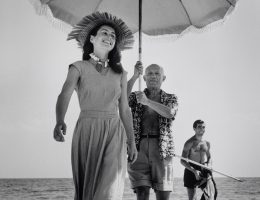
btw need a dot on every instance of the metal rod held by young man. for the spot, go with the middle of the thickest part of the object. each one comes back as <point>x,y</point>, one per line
<point>208,168</point>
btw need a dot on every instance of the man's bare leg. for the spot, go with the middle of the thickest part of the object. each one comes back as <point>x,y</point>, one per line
<point>162,195</point>
<point>142,193</point>
<point>192,193</point>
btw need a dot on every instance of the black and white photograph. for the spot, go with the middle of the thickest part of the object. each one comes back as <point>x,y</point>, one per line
<point>130,99</point>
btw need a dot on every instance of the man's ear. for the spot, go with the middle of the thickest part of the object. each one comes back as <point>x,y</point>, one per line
<point>164,77</point>
<point>144,77</point>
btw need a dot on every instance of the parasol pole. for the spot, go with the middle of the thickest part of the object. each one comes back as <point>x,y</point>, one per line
<point>208,168</point>
<point>140,42</point>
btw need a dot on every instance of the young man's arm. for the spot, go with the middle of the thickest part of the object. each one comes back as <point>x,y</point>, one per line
<point>209,159</point>
<point>185,153</point>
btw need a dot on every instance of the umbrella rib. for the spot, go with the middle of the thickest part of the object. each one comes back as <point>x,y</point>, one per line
<point>186,12</point>
<point>230,2</point>
<point>98,4</point>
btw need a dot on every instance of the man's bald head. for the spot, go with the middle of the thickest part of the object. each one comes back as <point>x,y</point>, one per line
<point>152,66</point>
<point>154,76</point>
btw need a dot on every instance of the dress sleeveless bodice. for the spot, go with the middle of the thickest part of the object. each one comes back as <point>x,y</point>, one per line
<point>97,92</point>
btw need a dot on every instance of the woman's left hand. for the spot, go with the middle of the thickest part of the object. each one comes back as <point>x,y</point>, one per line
<point>132,152</point>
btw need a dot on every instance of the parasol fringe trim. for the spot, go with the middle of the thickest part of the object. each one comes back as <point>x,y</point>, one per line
<point>43,9</point>
<point>193,29</point>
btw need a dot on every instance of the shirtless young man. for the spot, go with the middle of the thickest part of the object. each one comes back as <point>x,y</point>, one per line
<point>153,113</point>
<point>196,149</point>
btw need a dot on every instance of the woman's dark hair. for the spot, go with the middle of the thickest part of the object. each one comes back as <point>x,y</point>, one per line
<point>114,55</point>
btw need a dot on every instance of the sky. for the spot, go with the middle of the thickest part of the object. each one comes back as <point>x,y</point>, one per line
<point>215,75</point>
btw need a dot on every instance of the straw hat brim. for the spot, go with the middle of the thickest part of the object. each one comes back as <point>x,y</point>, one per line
<point>81,31</point>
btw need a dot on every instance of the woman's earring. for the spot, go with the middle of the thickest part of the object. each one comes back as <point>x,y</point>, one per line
<point>91,38</point>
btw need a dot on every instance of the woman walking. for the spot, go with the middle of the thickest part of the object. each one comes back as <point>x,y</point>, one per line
<point>104,129</point>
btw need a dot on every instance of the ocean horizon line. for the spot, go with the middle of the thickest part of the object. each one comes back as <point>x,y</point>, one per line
<point>2,178</point>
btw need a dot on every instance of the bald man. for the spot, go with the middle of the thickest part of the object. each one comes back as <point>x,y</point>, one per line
<point>153,112</point>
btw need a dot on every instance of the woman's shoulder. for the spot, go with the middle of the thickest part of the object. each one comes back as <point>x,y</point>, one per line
<point>81,65</point>
<point>124,73</point>
<point>123,76</point>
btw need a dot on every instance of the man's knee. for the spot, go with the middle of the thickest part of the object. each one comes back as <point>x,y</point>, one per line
<point>142,190</point>
<point>164,195</point>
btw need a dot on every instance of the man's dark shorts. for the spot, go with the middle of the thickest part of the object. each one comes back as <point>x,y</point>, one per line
<point>189,178</point>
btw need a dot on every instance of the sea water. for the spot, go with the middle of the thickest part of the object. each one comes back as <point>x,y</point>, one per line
<point>34,189</point>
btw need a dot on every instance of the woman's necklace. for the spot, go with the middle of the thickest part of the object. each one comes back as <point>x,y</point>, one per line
<point>101,66</point>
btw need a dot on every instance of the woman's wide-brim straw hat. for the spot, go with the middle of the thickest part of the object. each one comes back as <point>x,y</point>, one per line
<point>81,31</point>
